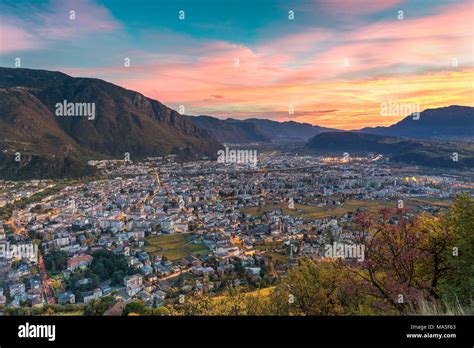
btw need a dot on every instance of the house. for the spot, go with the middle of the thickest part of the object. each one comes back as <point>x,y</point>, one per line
<point>35,283</point>
<point>83,281</point>
<point>106,289</point>
<point>152,278</point>
<point>190,261</point>
<point>159,298</point>
<point>143,256</point>
<point>202,270</point>
<point>17,289</point>
<point>92,295</point>
<point>79,262</point>
<point>66,297</point>
<point>253,270</point>
<point>146,297</point>
<point>133,284</point>
<point>162,270</point>
<point>167,225</point>
<point>147,270</point>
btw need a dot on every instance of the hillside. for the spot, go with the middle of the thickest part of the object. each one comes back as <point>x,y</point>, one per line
<point>230,130</point>
<point>406,150</point>
<point>441,123</point>
<point>54,146</point>
<point>257,130</point>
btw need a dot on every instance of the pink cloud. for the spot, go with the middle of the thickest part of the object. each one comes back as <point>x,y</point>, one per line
<point>305,69</point>
<point>89,17</point>
<point>53,23</point>
<point>296,43</point>
<point>13,38</point>
<point>429,42</point>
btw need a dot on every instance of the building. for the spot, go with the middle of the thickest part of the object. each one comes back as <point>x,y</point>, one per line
<point>92,295</point>
<point>133,283</point>
<point>79,262</point>
<point>17,289</point>
<point>66,297</point>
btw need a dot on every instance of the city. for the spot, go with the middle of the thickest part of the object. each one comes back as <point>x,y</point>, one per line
<point>200,226</point>
<point>210,172</point>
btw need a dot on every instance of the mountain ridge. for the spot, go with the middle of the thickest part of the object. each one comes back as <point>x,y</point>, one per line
<point>249,130</point>
<point>432,153</point>
<point>454,121</point>
<point>126,122</point>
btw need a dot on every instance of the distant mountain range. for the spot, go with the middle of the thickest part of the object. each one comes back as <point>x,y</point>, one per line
<point>37,142</point>
<point>257,130</point>
<point>420,152</point>
<point>452,122</point>
<point>441,123</point>
<point>53,146</point>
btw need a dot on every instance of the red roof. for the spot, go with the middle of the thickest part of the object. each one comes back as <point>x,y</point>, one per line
<point>78,259</point>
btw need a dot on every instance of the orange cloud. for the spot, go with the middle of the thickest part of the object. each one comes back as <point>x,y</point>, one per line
<point>408,60</point>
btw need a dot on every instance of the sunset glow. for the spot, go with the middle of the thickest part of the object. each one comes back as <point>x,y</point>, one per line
<point>335,63</point>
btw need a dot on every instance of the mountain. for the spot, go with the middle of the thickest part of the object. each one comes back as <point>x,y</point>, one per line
<point>407,150</point>
<point>441,123</point>
<point>289,130</point>
<point>57,146</point>
<point>256,130</point>
<point>230,130</point>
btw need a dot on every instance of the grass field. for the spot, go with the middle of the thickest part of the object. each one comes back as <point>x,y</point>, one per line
<point>174,246</point>
<point>315,212</point>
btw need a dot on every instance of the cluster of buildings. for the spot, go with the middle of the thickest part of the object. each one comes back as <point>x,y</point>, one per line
<point>251,223</point>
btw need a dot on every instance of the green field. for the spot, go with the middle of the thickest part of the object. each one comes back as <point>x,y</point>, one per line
<point>174,247</point>
<point>315,212</point>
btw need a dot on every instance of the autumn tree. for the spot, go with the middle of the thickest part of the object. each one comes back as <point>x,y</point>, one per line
<point>458,282</point>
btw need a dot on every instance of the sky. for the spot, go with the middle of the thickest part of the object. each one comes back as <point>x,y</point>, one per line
<point>329,63</point>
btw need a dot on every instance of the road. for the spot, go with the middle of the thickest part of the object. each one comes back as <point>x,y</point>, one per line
<point>45,281</point>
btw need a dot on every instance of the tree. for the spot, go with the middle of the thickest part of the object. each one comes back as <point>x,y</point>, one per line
<point>458,284</point>
<point>117,277</point>
<point>414,260</point>
<point>99,306</point>
<point>309,289</point>
<point>136,306</point>
<point>392,258</point>
<point>55,261</point>
<point>105,263</point>
<point>435,242</point>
